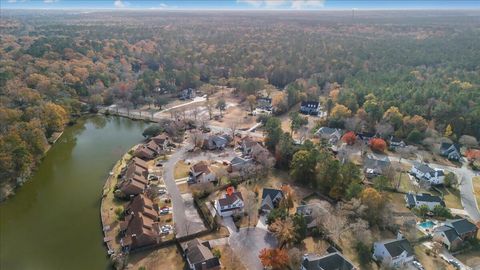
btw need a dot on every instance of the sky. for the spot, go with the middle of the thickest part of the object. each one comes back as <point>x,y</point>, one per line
<point>239,4</point>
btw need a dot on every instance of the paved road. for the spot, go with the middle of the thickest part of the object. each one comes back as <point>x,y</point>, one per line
<point>183,224</point>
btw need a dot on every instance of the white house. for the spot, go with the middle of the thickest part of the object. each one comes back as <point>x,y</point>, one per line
<point>333,135</point>
<point>201,173</point>
<point>424,172</point>
<point>394,253</point>
<point>230,204</point>
<point>417,200</point>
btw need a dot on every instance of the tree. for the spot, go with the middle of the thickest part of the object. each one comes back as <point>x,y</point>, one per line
<point>422,210</point>
<point>441,211</point>
<point>378,145</point>
<point>415,136</point>
<point>152,131</point>
<point>468,141</point>
<point>340,112</point>
<point>287,200</point>
<point>221,106</point>
<point>297,121</point>
<point>274,131</point>
<point>300,224</point>
<point>393,116</point>
<point>160,101</point>
<point>329,106</point>
<point>303,164</point>
<point>375,204</point>
<point>252,102</point>
<point>450,180</point>
<point>448,131</point>
<point>381,183</point>
<point>384,129</point>
<point>54,118</point>
<point>284,230</point>
<point>335,224</point>
<point>275,259</point>
<point>349,138</point>
<point>95,101</point>
<point>353,190</point>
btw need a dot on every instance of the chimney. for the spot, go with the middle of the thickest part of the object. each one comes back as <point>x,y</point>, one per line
<point>400,235</point>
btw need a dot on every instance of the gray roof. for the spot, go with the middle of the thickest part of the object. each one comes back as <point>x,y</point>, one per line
<point>396,247</point>
<point>332,261</point>
<point>462,226</point>
<point>410,199</point>
<point>449,232</point>
<point>425,197</point>
<point>372,163</point>
<point>327,130</point>
<point>238,160</point>
<point>424,168</point>
<point>272,193</point>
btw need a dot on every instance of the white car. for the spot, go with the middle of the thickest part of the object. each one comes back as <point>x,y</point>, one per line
<point>418,265</point>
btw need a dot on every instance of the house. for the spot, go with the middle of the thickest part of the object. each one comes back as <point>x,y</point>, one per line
<point>238,163</point>
<point>138,230</point>
<point>142,204</point>
<point>133,186</point>
<point>424,172</point>
<point>417,200</point>
<point>231,203</point>
<point>394,252</point>
<point>454,232</point>
<point>270,199</point>
<point>331,261</point>
<point>200,257</point>
<point>246,144</point>
<point>366,136</point>
<point>139,163</point>
<point>374,166</point>
<point>162,141</point>
<point>395,142</point>
<point>306,210</point>
<point>333,135</point>
<point>144,153</point>
<point>214,142</point>
<point>188,93</point>
<point>450,151</point>
<point>264,103</point>
<point>309,107</point>
<point>201,173</point>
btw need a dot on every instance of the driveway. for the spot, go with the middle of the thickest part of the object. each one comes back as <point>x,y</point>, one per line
<point>247,243</point>
<point>185,215</point>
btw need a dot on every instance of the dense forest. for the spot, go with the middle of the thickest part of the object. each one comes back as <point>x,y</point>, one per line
<point>403,72</point>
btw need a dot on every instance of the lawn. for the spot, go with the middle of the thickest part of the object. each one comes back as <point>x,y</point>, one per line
<point>168,258</point>
<point>470,258</point>
<point>228,259</point>
<point>181,170</point>
<point>429,262</point>
<point>451,197</point>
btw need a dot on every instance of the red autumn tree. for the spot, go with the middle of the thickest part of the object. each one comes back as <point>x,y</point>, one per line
<point>378,145</point>
<point>349,138</point>
<point>274,258</point>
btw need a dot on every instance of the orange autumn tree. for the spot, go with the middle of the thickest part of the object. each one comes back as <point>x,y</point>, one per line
<point>274,258</point>
<point>349,138</point>
<point>378,145</point>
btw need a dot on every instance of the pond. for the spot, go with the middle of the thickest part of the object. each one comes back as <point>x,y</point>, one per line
<point>53,222</point>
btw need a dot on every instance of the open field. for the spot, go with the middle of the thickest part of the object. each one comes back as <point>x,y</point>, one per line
<point>181,170</point>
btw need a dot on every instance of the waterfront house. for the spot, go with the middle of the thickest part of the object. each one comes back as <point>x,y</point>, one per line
<point>450,151</point>
<point>332,135</point>
<point>310,107</point>
<point>331,261</point>
<point>417,200</point>
<point>162,141</point>
<point>230,204</point>
<point>374,165</point>
<point>424,172</point>
<point>138,230</point>
<point>132,186</point>
<point>454,232</point>
<point>201,173</point>
<point>199,256</point>
<point>394,252</point>
<point>270,199</point>
<point>142,204</point>
<point>139,163</point>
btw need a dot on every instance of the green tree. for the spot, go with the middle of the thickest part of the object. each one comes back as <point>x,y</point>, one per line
<point>297,121</point>
<point>302,168</point>
<point>274,131</point>
<point>381,183</point>
<point>221,106</point>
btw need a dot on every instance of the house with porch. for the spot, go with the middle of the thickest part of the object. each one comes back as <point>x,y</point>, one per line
<point>216,142</point>
<point>238,164</point>
<point>230,204</point>
<point>374,165</point>
<point>417,200</point>
<point>395,142</point>
<point>424,172</point>
<point>310,107</point>
<point>450,151</point>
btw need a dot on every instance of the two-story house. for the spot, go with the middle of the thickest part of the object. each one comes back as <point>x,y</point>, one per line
<point>374,166</point>
<point>454,232</point>
<point>310,107</point>
<point>394,252</point>
<point>230,204</point>
<point>201,173</point>
<point>424,172</point>
<point>417,200</point>
<point>270,199</point>
<point>199,256</point>
<point>450,151</point>
<point>332,135</point>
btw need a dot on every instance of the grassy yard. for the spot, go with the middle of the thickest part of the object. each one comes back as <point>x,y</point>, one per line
<point>229,260</point>
<point>181,170</point>
<point>471,258</point>
<point>430,262</point>
<point>168,258</point>
<point>451,197</point>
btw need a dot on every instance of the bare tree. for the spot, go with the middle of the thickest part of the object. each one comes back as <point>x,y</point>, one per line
<point>335,225</point>
<point>295,256</point>
<point>384,129</point>
<point>195,113</point>
<point>361,231</point>
<point>250,205</point>
<point>233,128</point>
<point>197,139</point>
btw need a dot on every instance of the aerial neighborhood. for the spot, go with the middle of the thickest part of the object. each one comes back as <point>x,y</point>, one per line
<point>297,189</point>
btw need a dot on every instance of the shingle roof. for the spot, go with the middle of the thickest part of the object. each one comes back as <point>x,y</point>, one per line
<point>309,104</point>
<point>449,232</point>
<point>272,193</point>
<point>326,130</point>
<point>230,199</point>
<point>396,247</point>
<point>332,261</point>
<point>424,168</point>
<point>372,163</point>
<point>201,167</point>
<point>425,197</point>
<point>462,226</point>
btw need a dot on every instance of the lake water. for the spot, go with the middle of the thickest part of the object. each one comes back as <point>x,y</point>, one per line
<point>53,222</point>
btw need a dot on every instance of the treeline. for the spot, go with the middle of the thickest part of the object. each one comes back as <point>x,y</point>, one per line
<point>424,66</point>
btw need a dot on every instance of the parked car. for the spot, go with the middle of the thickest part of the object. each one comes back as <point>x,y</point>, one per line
<point>164,211</point>
<point>455,264</point>
<point>418,265</point>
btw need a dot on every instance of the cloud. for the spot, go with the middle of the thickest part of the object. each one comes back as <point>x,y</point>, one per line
<point>12,1</point>
<point>119,4</point>
<point>255,3</point>
<point>49,1</point>
<point>307,4</point>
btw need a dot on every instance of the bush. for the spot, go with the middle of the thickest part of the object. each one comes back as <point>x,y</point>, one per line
<point>120,213</point>
<point>440,211</point>
<point>216,252</point>
<point>152,131</point>
<point>415,136</point>
<point>275,214</point>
